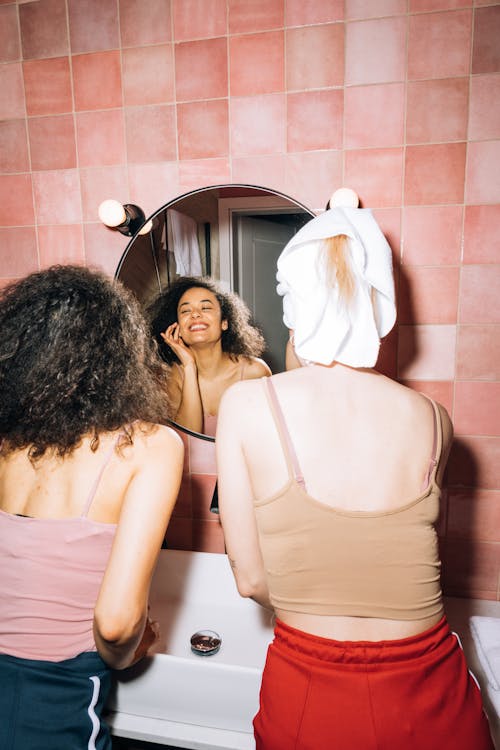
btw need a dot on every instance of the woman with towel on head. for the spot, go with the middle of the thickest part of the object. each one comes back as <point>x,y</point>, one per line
<point>206,334</point>
<point>88,480</point>
<point>329,487</point>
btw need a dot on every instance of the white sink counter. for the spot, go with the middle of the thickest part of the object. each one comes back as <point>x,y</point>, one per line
<point>178,698</point>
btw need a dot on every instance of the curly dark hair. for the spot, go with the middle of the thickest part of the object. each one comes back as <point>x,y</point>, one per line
<point>241,338</point>
<point>76,358</point>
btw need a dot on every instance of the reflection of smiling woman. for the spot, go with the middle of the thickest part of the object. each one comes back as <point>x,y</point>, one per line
<point>206,334</point>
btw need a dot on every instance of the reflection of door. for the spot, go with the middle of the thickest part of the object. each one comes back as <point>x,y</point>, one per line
<point>257,243</point>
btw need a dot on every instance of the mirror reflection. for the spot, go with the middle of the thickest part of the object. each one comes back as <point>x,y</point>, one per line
<point>233,234</point>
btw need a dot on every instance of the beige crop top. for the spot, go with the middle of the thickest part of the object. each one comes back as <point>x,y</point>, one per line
<point>324,561</point>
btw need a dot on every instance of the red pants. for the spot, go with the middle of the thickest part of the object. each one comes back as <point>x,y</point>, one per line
<point>410,694</point>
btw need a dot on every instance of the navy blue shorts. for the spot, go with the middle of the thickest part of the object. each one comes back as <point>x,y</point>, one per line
<point>48,705</point>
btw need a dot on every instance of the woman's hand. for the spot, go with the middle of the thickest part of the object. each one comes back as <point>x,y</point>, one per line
<point>150,636</point>
<point>173,339</point>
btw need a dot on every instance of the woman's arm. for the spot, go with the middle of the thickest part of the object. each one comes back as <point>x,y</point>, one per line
<point>121,608</point>
<point>184,389</point>
<point>236,502</point>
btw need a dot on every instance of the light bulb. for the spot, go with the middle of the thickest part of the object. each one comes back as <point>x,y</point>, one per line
<point>146,228</point>
<point>112,213</point>
<point>344,197</point>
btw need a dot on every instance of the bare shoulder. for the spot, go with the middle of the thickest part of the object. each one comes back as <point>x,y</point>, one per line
<point>155,440</point>
<point>240,398</point>
<point>256,368</point>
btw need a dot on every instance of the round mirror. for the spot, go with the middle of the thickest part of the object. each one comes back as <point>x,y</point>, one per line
<point>233,233</point>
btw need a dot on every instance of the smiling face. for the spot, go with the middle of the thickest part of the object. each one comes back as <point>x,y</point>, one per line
<point>199,317</point>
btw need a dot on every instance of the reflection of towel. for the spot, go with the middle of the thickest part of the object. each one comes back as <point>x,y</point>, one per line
<point>486,635</point>
<point>183,242</point>
<point>325,329</point>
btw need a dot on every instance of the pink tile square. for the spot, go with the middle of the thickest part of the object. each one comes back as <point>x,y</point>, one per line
<point>196,173</point>
<point>10,49</point>
<point>481,236</point>
<point>259,15</point>
<point>44,132</point>
<point>139,28</point>
<point>376,175</point>
<point>202,456</point>
<point>150,133</point>
<point>100,183</point>
<point>18,251</point>
<point>439,44</point>
<point>57,197</point>
<point>478,353</point>
<point>484,110</point>
<point>305,12</point>
<point>253,170</point>
<point>420,6</point>
<point>315,120</point>
<point>93,26</point>
<point>103,247</point>
<point>432,235</point>
<point>364,42</point>
<point>479,294</point>
<point>153,185</point>
<point>16,206</point>
<point>11,84</point>
<point>48,86</point>
<point>312,176</point>
<point>440,391</point>
<point>208,536</point>
<point>100,138</point>
<point>428,295</point>
<point>363,9</point>
<point>374,115</point>
<point>315,57</point>
<point>475,462</point>
<point>477,408</point>
<point>427,352</point>
<point>13,146</point>
<point>470,568</point>
<point>203,129</point>
<point>61,244</point>
<point>474,514</point>
<point>44,30</point>
<point>434,174</point>
<point>199,19</point>
<point>148,75</point>
<point>257,125</point>
<point>437,110</point>
<point>482,183</point>
<point>201,69</point>
<point>389,221</point>
<point>486,50</point>
<point>97,80</point>
<point>179,534</point>
<point>257,63</point>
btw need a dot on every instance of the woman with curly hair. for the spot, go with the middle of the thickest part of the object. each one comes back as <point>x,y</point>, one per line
<point>88,480</point>
<point>205,333</point>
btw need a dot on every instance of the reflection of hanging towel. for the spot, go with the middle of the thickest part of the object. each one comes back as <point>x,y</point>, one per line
<point>183,242</point>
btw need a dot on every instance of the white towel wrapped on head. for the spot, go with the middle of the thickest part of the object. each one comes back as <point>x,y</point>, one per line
<point>325,328</point>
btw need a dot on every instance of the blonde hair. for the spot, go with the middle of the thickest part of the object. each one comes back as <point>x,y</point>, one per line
<point>337,260</point>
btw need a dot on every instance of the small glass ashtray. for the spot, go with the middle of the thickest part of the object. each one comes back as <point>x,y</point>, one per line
<point>205,642</point>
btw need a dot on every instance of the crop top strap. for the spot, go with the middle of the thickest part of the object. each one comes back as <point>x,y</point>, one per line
<point>93,490</point>
<point>437,443</point>
<point>292,461</point>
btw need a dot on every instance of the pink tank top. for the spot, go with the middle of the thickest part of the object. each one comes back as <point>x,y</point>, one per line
<point>51,573</point>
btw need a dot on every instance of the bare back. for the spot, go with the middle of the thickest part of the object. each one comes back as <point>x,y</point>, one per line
<point>363,442</point>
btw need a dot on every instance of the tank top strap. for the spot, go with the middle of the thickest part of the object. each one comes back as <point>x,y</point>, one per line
<point>437,442</point>
<point>292,461</point>
<point>93,489</point>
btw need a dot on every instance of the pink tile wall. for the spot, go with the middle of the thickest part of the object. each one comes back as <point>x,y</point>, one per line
<point>398,99</point>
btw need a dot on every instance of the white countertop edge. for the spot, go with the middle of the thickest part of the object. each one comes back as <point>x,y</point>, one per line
<point>177,734</point>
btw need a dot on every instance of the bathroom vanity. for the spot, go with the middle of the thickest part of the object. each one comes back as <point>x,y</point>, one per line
<point>177,697</point>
